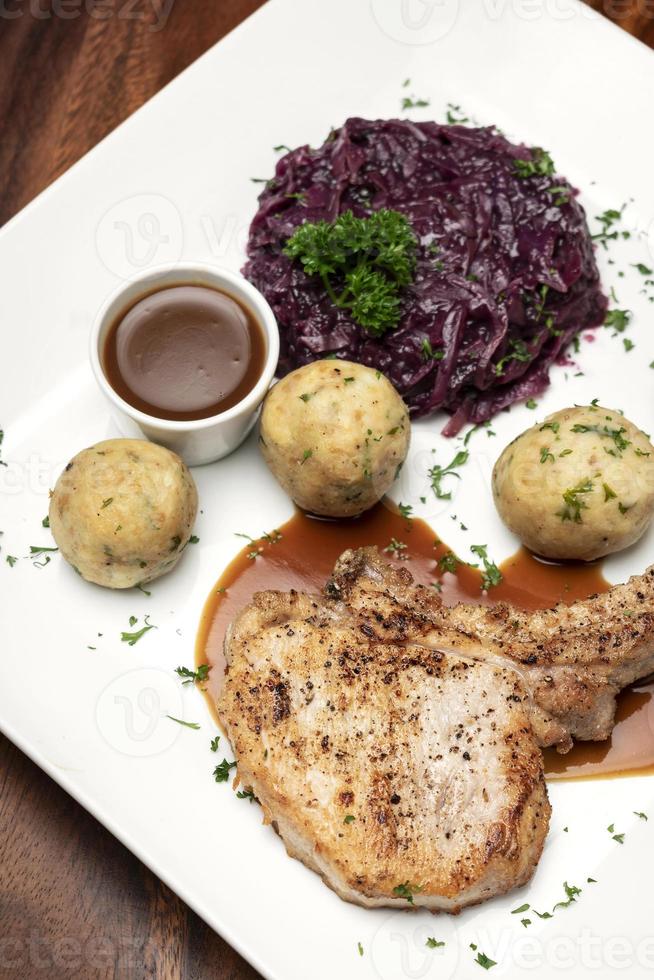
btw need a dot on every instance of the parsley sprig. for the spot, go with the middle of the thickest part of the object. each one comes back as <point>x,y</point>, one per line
<point>606,432</point>
<point>407,890</point>
<point>438,473</point>
<point>540,164</point>
<point>574,502</point>
<point>191,676</point>
<point>517,351</point>
<point>491,574</point>
<point>607,220</point>
<point>221,772</point>
<point>132,638</point>
<point>363,263</point>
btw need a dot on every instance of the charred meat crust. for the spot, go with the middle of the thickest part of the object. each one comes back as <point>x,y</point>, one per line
<point>393,742</point>
<point>573,659</point>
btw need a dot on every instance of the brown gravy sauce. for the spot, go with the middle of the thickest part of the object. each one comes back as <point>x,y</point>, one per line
<point>184,352</point>
<point>304,557</point>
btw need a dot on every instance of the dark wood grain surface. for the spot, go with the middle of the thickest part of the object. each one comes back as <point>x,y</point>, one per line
<point>74,903</point>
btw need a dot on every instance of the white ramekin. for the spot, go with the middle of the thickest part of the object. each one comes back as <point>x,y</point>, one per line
<point>202,440</point>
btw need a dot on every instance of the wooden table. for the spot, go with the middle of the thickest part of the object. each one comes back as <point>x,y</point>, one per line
<point>73,901</point>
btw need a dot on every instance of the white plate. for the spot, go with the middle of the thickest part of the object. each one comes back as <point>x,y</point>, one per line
<point>172,182</point>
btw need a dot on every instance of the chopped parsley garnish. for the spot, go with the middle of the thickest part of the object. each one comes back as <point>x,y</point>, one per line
<point>628,344</point>
<point>396,547</point>
<point>530,403</point>
<point>428,351</point>
<point>246,794</point>
<point>574,503</point>
<point>617,320</point>
<point>640,814</point>
<point>518,351</point>
<point>616,837</point>
<point>477,428</point>
<point>437,473</point>
<point>607,220</point>
<point>540,165</point>
<point>609,494</point>
<point>554,426</point>
<point>37,550</point>
<point>42,564</point>
<point>571,892</point>
<point>406,510</point>
<point>194,539</point>
<point>214,743</point>
<point>221,772</point>
<point>307,454</point>
<point>484,961</point>
<point>105,503</point>
<point>520,909</point>
<point>349,818</point>
<point>406,890</point>
<point>11,560</point>
<point>412,103</point>
<point>191,676</point>
<point>305,396</point>
<point>187,724</point>
<point>45,522</point>
<point>606,433</point>
<point>545,454</point>
<point>562,194</point>
<point>363,263</point>
<point>448,562</point>
<point>454,115</point>
<point>132,638</point>
<point>360,948</point>
<point>434,943</point>
<point>491,575</point>
<point>270,537</point>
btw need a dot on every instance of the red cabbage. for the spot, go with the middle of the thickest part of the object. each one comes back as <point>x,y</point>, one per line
<point>505,274</point>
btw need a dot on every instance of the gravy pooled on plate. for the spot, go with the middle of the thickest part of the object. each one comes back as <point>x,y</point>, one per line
<point>301,555</point>
<point>184,352</point>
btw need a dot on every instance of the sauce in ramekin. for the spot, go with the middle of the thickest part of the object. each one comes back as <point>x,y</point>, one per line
<point>184,352</point>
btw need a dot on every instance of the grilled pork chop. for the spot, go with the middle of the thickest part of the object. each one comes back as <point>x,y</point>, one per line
<point>573,660</point>
<point>401,774</point>
<point>393,742</point>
